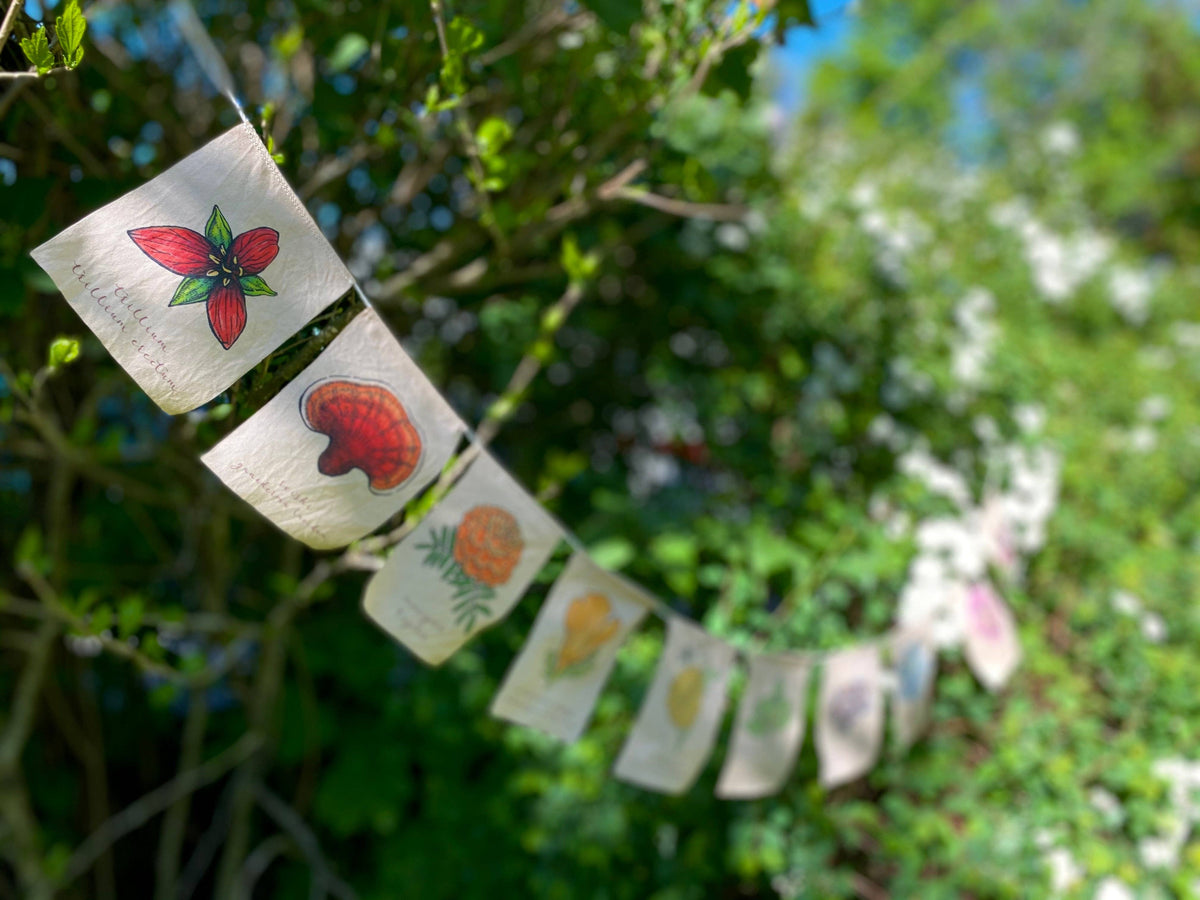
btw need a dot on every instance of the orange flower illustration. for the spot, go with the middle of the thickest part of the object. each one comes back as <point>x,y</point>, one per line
<point>488,544</point>
<point>589,625</point>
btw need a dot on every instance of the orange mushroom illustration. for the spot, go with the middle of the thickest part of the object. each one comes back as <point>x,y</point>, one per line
<point>368,429</point>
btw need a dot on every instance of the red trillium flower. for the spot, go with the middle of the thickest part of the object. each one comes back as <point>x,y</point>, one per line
<point>219,269</point>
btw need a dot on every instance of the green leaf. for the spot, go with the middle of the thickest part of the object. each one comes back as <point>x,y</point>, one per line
<point>349,50</point>
<point>792,12</point>
<point>37,51</point>
<point>130,613</point>
<point>192,290</point>
<point>217,230</point>
<point>461,39</point>
<point>733,72</point>
<point>70,27</point>
<point>29,548</point>
<point>491,136</point>
<point>63,350</point>
<point>253,286</point>
<point>612,553</point>
<point>580,267</point>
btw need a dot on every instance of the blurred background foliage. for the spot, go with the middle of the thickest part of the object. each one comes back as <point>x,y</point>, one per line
<point>975,230</point>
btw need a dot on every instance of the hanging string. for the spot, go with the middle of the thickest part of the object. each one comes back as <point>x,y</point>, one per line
<point>207,55</point>
<point>211,62</point>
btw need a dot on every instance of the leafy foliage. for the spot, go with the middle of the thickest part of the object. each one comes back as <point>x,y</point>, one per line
<point>37,50</point>
<point>738,327</point>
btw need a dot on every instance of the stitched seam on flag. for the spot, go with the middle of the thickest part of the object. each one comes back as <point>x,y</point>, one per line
<point>301,209</point>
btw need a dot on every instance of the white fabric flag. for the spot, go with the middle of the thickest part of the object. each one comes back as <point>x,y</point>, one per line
<point>346,444</point>
<point>464,566</point>
<point>849,726</point>
<point>914,658</point>
<point>769,728</point>
<point>990,644</point>
<point>679,719</point>
<point>555,681</point>
<point>194,277</point>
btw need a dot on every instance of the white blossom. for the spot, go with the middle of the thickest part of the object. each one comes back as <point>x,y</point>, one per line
<point>1126,603</point>
<point>1142,439</point>
<point>1060,139</point>
<point>1030,417</point>
<point>938,478</point>
<point>1129,291</point>
<point>1112,888</point>
<point>1065,873</point>
<point>1154,628</point>
<point>1107,804</point>
<point>1155,408</point>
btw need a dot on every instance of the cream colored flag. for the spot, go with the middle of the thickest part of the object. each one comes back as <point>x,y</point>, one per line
<point>681,715</point>
<point>554,683</point>
<point>990,642</point>
<point>465,566</point>
<point>194,277</point>
<point>346,444</point>
<point>769,728</point>
<point>914,658</point>
<point>849,726</point>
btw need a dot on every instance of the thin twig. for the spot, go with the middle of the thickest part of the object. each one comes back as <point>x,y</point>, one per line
<point>260,860</point>
<point>467,133</point>
<point>9,18</point>
<point>206,848</point>
<point>145,808</point>
<point>291,822</point>
<point>498,414</point>
<point>23,708</point>
<point>174,827</point>
<point>63,615</point>
<point>31,74</point>
<point>721,212</point>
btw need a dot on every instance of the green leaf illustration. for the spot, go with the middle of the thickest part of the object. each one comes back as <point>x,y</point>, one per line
<point>37,51</point>
<point>217,230</point>
<point>770,714</point>
<point>192,290</point>
<point>70,27</point>
<point>254,286</point>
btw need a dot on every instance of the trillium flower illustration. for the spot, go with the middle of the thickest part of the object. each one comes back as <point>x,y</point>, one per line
<point>219,269</point>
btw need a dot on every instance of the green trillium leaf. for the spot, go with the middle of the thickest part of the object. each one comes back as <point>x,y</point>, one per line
<point>217,230</point>
<point>253,286</point>
<point>192,290</point>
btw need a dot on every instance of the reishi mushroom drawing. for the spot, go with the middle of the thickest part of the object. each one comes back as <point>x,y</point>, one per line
<point>368,429</point>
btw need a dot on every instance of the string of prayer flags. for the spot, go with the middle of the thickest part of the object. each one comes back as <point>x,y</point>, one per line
<point>990,644</point>
<point>465,565</point>
<point>677,725</point>
<point>915,662</point>
<point>554,682</point>
<point>345,445</point>
<point>849,722</point>
<point>769,728</point>
<point>193,278</point>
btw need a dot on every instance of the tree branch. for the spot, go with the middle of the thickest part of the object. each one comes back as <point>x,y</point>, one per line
<point>9,18</point>
<point>145,808</point>
<point>325,881</point>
